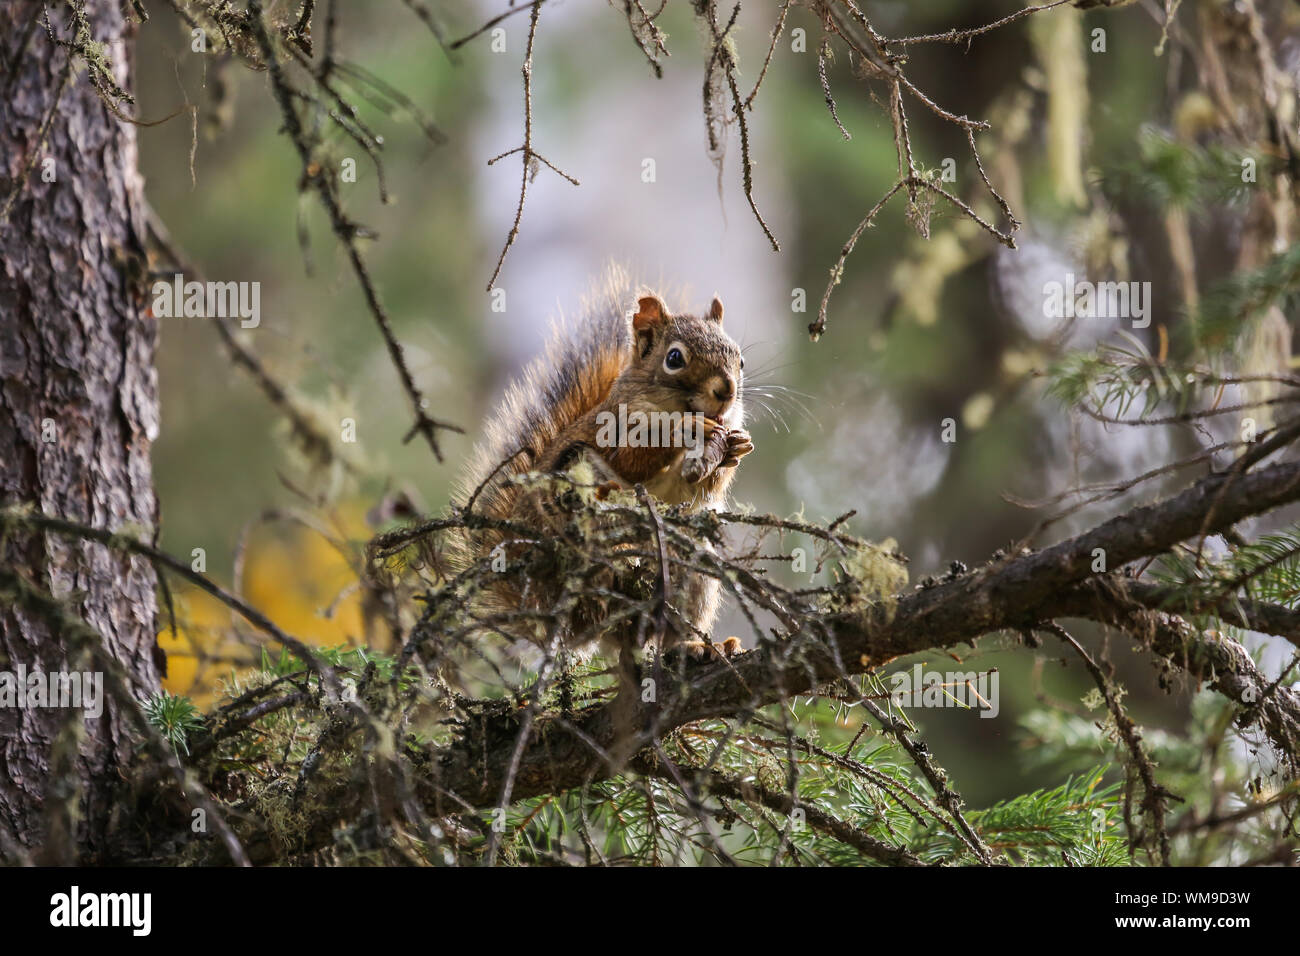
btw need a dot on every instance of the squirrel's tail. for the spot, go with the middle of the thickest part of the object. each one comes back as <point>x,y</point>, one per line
<point>574,374</point>
<point>583,357</point>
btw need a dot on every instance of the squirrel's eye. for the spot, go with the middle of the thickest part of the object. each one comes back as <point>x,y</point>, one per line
<point>742,364</point>
<point>674,360</point>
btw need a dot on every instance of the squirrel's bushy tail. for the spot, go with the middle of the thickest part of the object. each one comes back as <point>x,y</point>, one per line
<point>573,375</point>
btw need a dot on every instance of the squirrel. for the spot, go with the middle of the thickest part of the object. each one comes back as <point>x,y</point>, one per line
<point>627,359</point>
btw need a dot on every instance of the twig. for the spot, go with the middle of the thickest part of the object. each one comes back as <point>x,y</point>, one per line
<point>1154,802</point>
<point>529,157</point>
<point>346,232</point>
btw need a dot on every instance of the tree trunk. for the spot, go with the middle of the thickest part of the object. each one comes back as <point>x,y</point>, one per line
<point>78,413</point>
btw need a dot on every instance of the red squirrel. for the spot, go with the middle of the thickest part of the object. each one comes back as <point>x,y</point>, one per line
<point>627,361</point>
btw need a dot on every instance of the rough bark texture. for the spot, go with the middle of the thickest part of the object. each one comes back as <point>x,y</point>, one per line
<point>78,413</point>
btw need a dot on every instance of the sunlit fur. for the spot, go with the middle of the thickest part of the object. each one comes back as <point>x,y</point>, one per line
<point>547,422</point>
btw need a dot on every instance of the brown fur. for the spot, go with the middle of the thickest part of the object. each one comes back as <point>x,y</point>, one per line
<point>550,417</point>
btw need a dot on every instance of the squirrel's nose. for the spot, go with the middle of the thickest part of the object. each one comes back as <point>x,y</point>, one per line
<point>725,389</point>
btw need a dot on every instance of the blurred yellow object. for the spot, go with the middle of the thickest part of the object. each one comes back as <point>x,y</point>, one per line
<point>978,409</point>
<point>293,575</point>
<point>1195,116</point>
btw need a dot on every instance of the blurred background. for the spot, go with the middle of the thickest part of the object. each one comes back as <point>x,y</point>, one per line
<point>920,331</point>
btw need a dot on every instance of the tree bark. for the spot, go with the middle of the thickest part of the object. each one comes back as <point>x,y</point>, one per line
<point>78,414</point>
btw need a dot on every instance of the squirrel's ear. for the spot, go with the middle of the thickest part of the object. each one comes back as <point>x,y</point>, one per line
<point>651,313</point>
<point>715,309</point>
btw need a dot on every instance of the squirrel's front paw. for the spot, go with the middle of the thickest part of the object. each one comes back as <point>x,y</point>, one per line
<point>739,444</point>
<point>707,452</point>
